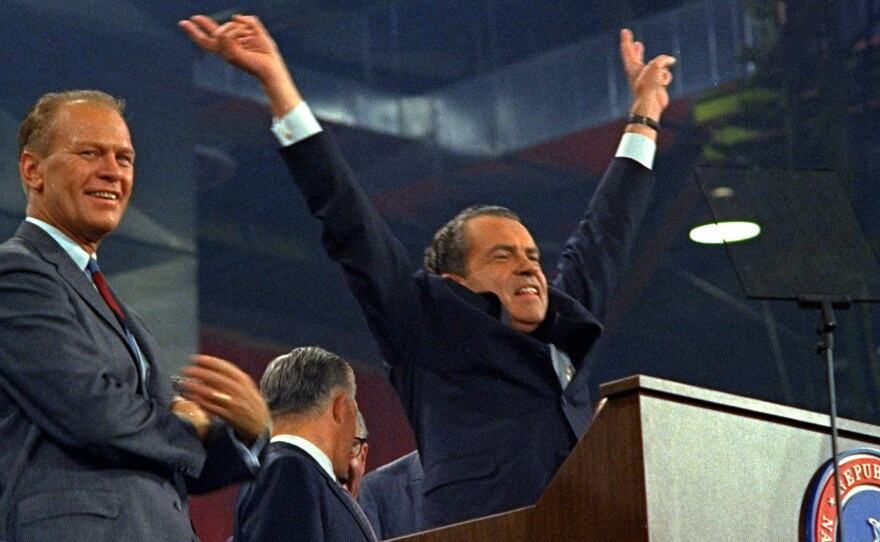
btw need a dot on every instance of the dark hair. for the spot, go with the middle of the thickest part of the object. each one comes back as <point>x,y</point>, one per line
<point>448,251</point>
<point>305,380</point>
<point>33,132</point>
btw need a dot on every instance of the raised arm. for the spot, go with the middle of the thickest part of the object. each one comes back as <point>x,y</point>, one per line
<point>595,255</point>
<point>376,265</point>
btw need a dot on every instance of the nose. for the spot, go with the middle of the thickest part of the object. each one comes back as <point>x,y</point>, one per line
<point>110,169</point>
<point>527,266</point>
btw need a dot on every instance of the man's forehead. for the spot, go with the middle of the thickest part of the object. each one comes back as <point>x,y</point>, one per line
<point>490,230</point>
<point>85,121</point>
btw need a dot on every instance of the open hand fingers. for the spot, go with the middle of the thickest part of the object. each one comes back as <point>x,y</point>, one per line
<point>631,53</point>
<point>215,381</point>
<point>252,22</point>
<point>200,28</point>
<point>207,397</point>
<point>251,34</point>
<point>223,389</point>
<point>217,365</point>
<point>232,31</point>
<point>659,70</point>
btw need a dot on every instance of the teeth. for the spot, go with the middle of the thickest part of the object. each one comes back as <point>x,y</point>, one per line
<point>106,195</point>
<point>527,290</point>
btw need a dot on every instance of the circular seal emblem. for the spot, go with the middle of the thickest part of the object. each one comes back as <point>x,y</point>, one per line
<point>859,495</point>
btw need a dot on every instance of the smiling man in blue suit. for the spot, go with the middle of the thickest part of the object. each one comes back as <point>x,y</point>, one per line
<point>93,444</point>
<point>486,354</point>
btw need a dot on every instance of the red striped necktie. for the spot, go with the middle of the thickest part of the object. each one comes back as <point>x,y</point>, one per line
<point>101,284</point>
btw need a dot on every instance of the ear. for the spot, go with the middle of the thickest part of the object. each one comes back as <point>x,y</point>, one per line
<point>338,407</point>
<point>454,278</point>
<point>31,173</point>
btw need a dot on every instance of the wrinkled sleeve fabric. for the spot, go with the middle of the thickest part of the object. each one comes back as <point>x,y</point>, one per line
<point>61,367</point>
<point>375,264</point>
<point>594,256</point>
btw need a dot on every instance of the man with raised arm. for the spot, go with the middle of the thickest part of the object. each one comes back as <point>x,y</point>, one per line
<point>485,354</point>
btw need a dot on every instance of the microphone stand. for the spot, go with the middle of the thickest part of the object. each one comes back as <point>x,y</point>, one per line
<point>826,304</point>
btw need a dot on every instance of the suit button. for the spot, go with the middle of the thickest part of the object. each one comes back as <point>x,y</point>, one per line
<point>562,453</point>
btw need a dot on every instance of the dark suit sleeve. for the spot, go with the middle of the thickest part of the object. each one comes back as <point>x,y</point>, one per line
<point>594,255</point>
<point>369,497</point>
<point>284,505</point>
<point>64,368</point>
<point>224,464</point>
<point>375,264</point>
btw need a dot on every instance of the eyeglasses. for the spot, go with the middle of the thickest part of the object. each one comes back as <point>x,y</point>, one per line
<point>357,445</point>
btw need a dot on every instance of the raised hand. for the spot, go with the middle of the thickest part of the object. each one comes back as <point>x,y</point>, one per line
<point>221,388</point>
<point>246,44</point>
<point>243,42</point>
<point>647,81</point>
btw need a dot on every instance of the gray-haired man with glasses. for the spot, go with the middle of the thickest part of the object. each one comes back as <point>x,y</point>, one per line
<point>297,495</point>
<point>357,458</point>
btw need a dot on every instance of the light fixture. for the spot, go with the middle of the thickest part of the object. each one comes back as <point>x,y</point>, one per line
<point>724,232</point>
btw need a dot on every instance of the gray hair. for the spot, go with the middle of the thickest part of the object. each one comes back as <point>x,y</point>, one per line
<point>361,426</point>
<point>305,380</point>
<point>449,249</point>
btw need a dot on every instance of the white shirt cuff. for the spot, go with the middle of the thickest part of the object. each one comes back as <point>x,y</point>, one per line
<point>637,147</point>
<point>296,125</point>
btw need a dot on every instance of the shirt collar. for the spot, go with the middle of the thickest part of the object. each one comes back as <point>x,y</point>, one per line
<point>316,453</point>
<point>79,256</point>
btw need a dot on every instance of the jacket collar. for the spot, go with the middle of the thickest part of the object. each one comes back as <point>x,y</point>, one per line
<point>568,325</point>
<point>49,249</point>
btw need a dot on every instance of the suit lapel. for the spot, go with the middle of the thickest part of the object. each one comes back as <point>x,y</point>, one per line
<point>52,252</point>
<point>344,497</point>
<point>354,509</point>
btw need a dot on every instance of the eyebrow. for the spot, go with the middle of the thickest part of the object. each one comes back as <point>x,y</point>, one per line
<point>118,149</point>
<point>512,248</point>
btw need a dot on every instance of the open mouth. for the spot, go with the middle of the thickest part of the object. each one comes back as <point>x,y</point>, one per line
<point>527,291</point>
<point>104,195</point>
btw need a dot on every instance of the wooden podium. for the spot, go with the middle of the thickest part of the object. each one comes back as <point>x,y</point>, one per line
<point>664,461</point>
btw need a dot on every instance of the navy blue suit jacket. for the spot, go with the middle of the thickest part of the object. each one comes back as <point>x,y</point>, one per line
<point>391,497</point>
<point>491,420</point>
<point>87,451</point>
<point>293,499</point>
